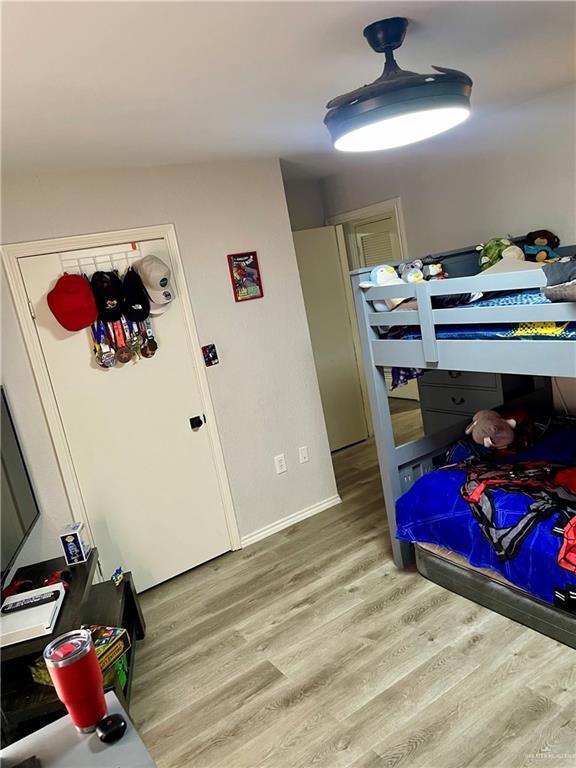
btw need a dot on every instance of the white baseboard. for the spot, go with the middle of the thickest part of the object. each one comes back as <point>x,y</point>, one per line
<point>289,520</point>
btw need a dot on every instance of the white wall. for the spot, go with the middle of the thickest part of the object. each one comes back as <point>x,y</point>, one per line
<point>265,389</point>
<point>305,203</point>
<point>514,172</point>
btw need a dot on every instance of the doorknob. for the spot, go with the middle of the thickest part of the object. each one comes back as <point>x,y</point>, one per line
<point>196,422</point>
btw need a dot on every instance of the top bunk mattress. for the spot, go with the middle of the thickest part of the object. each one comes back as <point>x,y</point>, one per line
<point>473,331</point>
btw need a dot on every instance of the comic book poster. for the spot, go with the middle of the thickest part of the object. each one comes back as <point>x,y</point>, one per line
<point>245,275</point>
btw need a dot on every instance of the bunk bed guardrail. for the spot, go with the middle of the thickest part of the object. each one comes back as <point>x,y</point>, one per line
<point>495,355</point>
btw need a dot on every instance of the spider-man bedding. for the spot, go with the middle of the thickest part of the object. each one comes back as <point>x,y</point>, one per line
<point>517,517</point>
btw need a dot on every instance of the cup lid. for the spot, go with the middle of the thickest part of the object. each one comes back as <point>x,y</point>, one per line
<point>68,648</point>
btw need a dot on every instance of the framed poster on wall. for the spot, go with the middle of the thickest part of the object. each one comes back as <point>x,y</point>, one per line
<point>245,276</point>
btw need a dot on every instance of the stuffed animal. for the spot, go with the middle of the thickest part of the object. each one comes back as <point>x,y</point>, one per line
<point>491,430</point>
<point>540,245</point>
<point>514,253</point>
<point>383,275</point>
<point>411,272</point>
<point>434,272</point>
<point>491,252</point>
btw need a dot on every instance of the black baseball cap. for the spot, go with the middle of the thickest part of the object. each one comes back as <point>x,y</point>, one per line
<point>136,301</point>
<point>107,290</point>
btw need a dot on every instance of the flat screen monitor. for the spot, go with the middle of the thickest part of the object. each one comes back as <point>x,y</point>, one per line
<point>19,507</point>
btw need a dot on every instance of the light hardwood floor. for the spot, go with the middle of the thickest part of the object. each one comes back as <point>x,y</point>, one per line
<point>311,649</point>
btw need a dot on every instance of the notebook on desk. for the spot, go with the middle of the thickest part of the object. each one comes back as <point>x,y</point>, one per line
<point>30,622</point>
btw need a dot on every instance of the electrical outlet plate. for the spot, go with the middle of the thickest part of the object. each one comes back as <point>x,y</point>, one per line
<point>280,463</point>
<point>303,454</point>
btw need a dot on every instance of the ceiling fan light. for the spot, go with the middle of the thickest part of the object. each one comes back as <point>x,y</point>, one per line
<point>400,130</point>
<point>400,107</point>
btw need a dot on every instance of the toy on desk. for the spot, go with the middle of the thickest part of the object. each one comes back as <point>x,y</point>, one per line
<point>56,577</point>
<point>117,577</point>
<point>540,245</point>
<point>380,276</point>
<point>16,587</point>
<point>76,548</point>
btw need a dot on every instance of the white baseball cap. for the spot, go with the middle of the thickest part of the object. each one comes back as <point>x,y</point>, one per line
<point>158,309</point>
<point>156,278</point>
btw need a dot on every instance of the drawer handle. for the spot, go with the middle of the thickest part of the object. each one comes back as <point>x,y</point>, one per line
<point>458,400</point>
<point>454,374</point>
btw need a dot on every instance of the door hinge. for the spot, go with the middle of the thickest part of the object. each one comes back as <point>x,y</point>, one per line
<point>31,308</point>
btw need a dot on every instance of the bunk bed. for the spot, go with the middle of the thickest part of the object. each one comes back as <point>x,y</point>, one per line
<point>427,342</point>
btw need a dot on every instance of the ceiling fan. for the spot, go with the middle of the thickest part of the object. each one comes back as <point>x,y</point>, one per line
<point>400,107</point>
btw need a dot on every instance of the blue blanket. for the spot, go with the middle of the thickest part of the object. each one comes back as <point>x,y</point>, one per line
<point>517,517</point>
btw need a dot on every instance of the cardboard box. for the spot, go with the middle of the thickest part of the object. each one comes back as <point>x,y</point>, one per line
<point>110,644</point>
<point>76,548</point>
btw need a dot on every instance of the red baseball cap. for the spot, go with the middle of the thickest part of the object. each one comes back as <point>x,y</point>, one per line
<point>72,302</point>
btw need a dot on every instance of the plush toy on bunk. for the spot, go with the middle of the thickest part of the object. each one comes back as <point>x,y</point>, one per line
<point>497,249</point>
<point>537,247</point>
<point>417,271</point>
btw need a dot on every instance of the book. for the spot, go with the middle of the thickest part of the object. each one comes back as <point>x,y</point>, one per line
<point>30,622</point>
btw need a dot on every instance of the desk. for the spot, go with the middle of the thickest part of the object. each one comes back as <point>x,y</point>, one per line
<point>25,705</point>
<point>58,745</point>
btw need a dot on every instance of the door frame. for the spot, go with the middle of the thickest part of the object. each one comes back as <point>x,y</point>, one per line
<point>11,253</point>
<point>345,270</point>
<point>394,205</point>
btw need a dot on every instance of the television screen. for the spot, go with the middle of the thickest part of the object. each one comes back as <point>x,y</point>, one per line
<point>19,508</point>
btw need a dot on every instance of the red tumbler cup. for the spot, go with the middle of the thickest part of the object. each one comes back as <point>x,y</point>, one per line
<point>77,677</point>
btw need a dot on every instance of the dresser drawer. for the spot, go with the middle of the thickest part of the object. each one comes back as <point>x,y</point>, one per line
<point>458,400</point>
<point>460,379</point>
<point>434,421</point>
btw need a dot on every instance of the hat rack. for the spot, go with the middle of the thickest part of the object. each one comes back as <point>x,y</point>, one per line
<point>88,263</point>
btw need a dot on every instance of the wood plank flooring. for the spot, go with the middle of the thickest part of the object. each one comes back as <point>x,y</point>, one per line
<point>311,649</point>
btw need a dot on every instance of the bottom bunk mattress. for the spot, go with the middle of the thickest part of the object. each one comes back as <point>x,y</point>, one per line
<point>515,516</point>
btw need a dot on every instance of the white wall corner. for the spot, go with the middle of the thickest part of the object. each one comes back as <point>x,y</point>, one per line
<point>286,522</point>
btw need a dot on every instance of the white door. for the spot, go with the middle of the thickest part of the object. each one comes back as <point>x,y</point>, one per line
<point>149,483</point>
<point>331,334</point>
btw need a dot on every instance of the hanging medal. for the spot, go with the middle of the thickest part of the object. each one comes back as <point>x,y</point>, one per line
<point>149,347</point>
<point>104,353</point>
<point>123,352</point>
<point>135,339</point>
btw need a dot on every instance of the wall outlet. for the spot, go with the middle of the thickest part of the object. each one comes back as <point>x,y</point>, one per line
<point>280,462</point>
<point>303,454</point>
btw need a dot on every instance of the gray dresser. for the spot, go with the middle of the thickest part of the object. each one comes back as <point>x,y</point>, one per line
<point>447,397</point>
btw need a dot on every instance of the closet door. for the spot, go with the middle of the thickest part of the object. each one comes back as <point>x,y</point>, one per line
<point>149,483</point>
<point>330,327</point>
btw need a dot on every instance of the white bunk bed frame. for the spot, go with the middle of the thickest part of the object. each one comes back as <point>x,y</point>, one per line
<point>401,465</point>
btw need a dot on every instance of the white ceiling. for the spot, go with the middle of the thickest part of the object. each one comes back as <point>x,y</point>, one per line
<point>146,83</point>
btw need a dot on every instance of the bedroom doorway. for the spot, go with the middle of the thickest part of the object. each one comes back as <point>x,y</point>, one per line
<point>325,256</point>
<point>321,258</point>
<point>374,236</point>
<point>153,511</point>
